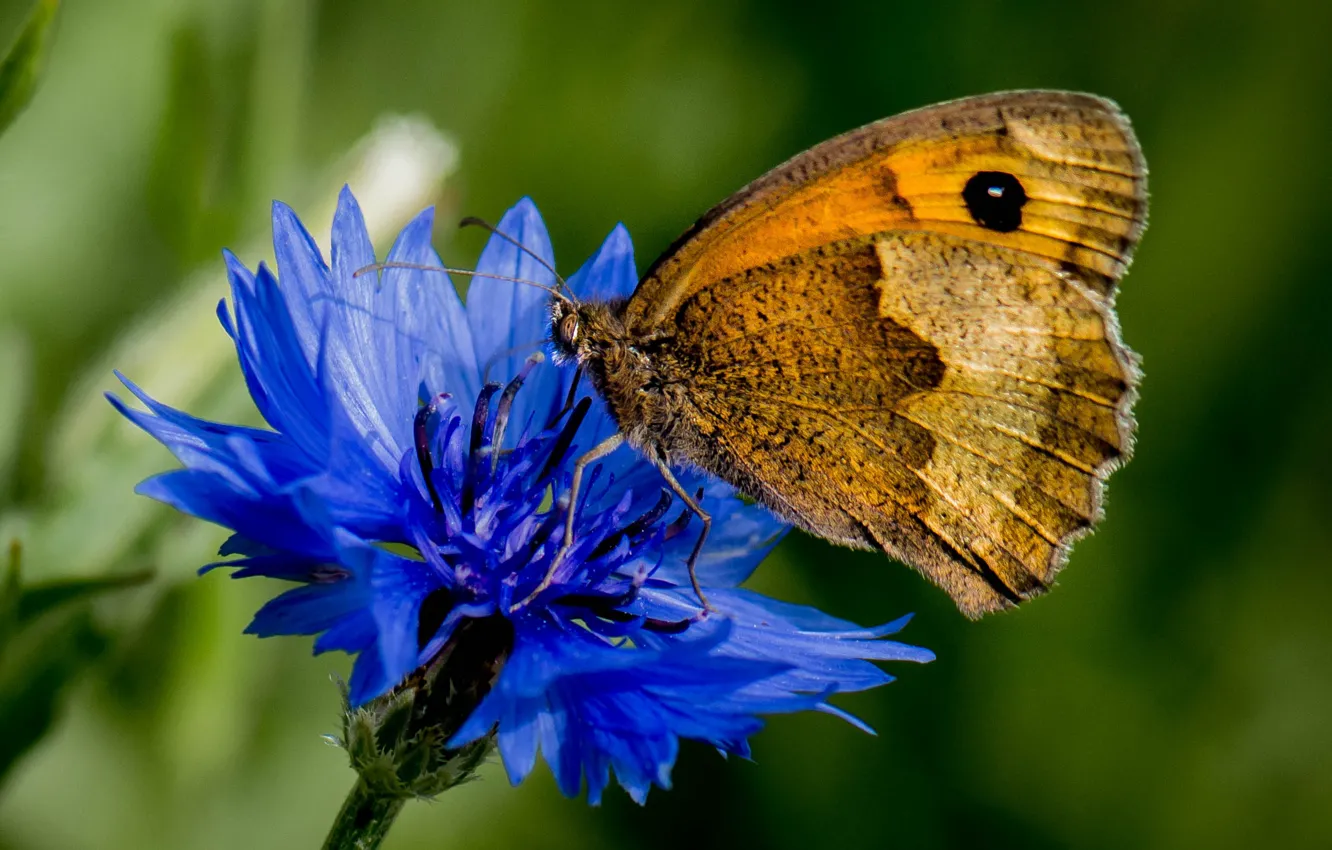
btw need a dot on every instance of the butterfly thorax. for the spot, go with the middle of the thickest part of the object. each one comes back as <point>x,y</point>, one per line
<point>629,373</point>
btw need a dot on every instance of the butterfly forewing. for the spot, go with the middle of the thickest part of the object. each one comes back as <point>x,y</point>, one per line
<point>904,338</point>
<point>1074,154</point>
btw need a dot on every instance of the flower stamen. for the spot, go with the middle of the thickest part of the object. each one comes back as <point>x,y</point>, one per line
<point>525,555</point>
<point>568,398</point>
<point>506,405</point>
<point>635,528</point>
<point>677,527</point>
<point>565,439</point>
<point>669,627</point>
<point>421,437</point>
<point>480,417</point>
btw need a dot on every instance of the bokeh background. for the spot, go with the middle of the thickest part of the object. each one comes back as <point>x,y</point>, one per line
<point>1176,689</point>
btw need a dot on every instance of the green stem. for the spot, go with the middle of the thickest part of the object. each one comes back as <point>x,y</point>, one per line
<point>365,819</point>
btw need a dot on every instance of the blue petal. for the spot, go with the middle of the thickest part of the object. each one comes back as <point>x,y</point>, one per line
<point>304,275</point>
<point>352,250</point>
<point>399,587</point>
<point>368,678</point>
<point>370,360</point>
<point>518,735</point>
<point>610,272</point>
<point>824,652</point>
<point>742,535</point>
<point>596,707</point>
<point>309,609</point>
<point>352,634</point>
<point>430,319</point>
<point>417,311</point>
<point>269,519</point>
<point>509,320</point>
<point>273,360</point>
<point>215,446</point>
<point>357,491</point>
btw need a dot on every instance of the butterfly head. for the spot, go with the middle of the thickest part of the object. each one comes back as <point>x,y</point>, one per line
<point>566,328</point>
<point>586,332</point>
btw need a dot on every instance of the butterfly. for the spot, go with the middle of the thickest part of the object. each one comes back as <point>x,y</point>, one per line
<point>902,339</point>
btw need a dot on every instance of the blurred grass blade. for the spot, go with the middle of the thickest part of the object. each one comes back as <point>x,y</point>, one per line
<point>15,385</point>
<point>22,66</point>
<point>21,605</point>
<point>36,666</point>
<point>47,637</point>
<point>11,591</point>
<point>40,599</point>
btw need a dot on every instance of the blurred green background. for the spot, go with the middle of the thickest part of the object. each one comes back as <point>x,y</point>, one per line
<point>1175,691</point>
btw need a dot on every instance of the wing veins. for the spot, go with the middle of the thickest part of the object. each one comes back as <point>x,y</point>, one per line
<point>778,402</point>
<point>1028,379</point>
<point>929,482</point>
<point>1043,412</point>
<point>721,345</point>
<point>1117,259</point>
<point>949,200</point>
<point>1020,437</point>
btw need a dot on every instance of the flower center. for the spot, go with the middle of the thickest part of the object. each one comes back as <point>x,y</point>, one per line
<point>499,516</point>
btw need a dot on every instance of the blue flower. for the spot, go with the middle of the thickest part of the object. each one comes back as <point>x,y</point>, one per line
<point>412,487</point>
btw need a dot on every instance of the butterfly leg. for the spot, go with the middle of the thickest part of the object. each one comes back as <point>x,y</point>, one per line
<point>588,458</point>
<point>703,515</point>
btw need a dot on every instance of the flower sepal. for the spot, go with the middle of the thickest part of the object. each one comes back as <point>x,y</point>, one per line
<point>397,743</point>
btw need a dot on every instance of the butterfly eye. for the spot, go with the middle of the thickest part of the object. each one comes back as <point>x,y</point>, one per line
<point>569,328</point>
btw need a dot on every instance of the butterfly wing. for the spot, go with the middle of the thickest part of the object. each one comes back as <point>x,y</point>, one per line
<point>1074,154</point>
<point>905,338</point>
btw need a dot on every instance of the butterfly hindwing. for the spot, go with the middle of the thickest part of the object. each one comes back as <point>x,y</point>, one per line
<point>1033,409</point>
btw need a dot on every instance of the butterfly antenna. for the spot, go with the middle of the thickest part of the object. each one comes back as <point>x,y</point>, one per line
<point>495,358</point>
<point>375,267</point>
<point>473,221</point>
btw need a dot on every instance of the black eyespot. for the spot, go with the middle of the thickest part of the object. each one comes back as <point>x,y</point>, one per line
<point>995,200</point>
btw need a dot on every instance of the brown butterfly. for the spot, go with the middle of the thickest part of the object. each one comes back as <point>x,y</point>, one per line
<point>903,339</point>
